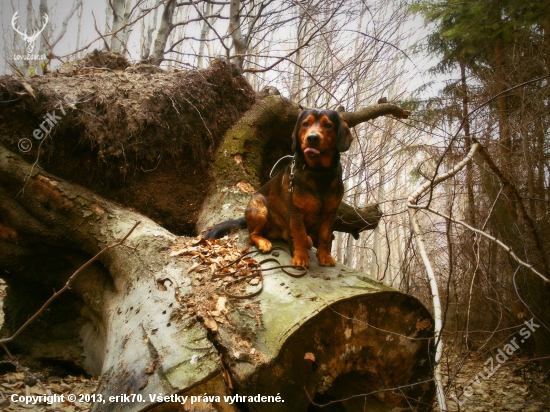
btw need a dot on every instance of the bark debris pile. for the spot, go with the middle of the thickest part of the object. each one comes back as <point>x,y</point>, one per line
<point>209,259</point>
<point>210,272</point>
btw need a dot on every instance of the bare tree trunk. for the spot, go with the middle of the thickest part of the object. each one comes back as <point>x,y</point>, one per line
<point>108,17</point>
<point>239,41</point>
<point>127,28</point>
<point>297,83</point>
<point>254,82</point>
<point>148,41</point>
<point>117,41</point>
<point>45,39</point>
<point>49,43</point>
<point>80,10</point>
<point>163,32</point>
<point>502,104</point>
<point>340,236</point>
<point>470,210</point>
<point>26,64</point>
<point>546,27</point>
<point>208,7</point>
<point>380,195</point>
<point>313,95</point>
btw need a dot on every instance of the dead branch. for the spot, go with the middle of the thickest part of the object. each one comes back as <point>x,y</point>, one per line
<point>413,197</point>
<point>374,111</point>
<point>507,248</point>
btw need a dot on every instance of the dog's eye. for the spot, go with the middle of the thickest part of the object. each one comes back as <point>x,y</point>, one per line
<point>305,124</point>
<point>328,125</point>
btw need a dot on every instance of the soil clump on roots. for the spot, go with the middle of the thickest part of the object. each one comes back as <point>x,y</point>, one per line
<point>141,137</point>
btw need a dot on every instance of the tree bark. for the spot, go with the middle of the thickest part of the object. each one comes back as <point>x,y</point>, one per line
<point>134,333</point>
<point>147,41</point>
<point>208,7</point>
<point>470,211</point>
<point>45,38</point>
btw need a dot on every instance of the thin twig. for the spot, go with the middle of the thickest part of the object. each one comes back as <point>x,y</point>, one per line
<point>97,68</point>
<point>27,372</point>
<point>322,405</point>
<point>413,197</point>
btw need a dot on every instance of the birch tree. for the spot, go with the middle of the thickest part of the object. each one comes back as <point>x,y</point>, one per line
<point>163,32</point>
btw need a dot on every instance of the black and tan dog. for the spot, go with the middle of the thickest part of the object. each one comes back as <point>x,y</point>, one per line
<point>318,139</point>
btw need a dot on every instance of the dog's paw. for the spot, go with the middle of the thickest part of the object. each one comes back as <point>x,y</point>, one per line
<point>300,260</point>
<point>264,245</point>
<point>326,260</point>
<point>309,243</point>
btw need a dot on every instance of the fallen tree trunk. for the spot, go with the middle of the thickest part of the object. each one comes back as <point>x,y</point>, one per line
<point>331,335</point>
<point>133,332</point>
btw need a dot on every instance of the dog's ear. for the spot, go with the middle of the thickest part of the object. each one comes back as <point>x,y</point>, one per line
<point>344,135</point>
<point>295,138</point>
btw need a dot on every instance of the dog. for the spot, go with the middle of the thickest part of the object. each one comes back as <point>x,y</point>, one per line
<point>317,190</point>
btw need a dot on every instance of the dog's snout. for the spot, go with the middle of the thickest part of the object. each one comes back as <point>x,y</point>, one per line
<point>313,138</point>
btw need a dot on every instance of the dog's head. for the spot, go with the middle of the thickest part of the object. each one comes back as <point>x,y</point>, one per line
<point>320,135</point>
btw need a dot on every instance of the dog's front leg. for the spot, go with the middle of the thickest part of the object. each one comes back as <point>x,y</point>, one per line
<point>300,239</point>
<point>325,242</point>
<point>256,219</point>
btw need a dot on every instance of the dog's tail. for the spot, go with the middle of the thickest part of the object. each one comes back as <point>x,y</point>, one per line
<point>223,228</point>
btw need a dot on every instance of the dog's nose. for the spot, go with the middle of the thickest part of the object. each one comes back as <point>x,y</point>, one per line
<point>313,138</point>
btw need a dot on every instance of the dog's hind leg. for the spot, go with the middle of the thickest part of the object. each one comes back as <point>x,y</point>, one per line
<point>256,215</point>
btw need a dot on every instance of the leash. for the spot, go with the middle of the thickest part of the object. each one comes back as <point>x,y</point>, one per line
<point>290,192</point>
<point>257,272</point>
<point>289,208</point>
<point>277,164</point>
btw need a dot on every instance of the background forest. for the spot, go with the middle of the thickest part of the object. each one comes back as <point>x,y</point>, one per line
<point>475,76</point>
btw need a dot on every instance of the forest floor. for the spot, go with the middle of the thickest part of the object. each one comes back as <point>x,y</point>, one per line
<point>515,386</point>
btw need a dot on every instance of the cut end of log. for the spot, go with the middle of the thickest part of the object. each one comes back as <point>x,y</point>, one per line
<point>354,353</point>
<point>334,337</point>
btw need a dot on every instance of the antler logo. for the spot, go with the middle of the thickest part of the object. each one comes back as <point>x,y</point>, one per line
<point>31,40</point>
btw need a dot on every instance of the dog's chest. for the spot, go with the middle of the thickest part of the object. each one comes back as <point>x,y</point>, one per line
<point>316,198</point>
